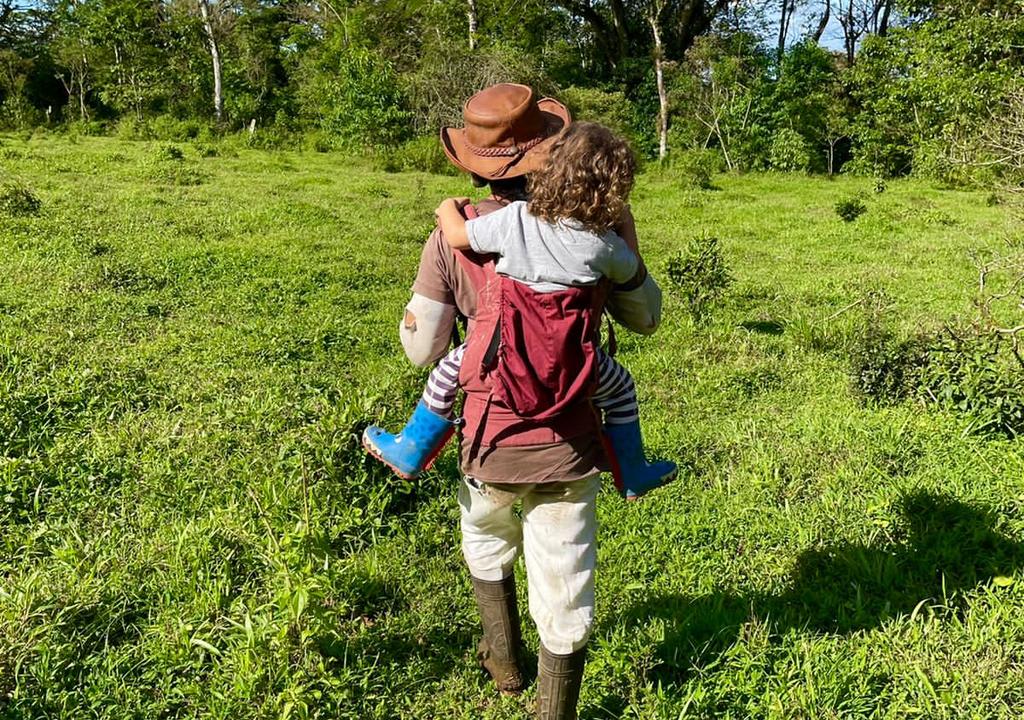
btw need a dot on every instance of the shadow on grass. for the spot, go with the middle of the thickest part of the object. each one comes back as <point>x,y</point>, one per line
<point>946,549</point>
<point>763,327</point>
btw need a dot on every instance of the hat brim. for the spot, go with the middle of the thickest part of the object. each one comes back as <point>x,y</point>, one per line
<point>453,142</point>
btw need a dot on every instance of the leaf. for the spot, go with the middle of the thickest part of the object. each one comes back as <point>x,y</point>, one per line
<point>1002,581</point>
<point>205,646</point>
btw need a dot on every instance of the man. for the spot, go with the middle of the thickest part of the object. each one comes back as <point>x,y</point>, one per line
<point>551,469</point>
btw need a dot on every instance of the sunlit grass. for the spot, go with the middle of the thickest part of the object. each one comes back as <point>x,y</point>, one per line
<point>189,349</point>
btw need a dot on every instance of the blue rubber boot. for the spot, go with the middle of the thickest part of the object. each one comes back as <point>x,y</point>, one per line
<point>411,451</point>
<point>634,476</point>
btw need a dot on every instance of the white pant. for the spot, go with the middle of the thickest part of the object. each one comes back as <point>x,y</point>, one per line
<point>558,536</point>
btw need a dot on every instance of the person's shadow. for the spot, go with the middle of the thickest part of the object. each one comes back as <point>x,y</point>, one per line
<point>943,549</point>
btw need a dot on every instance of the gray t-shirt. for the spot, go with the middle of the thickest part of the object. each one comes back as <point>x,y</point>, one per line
<point>549,257</point>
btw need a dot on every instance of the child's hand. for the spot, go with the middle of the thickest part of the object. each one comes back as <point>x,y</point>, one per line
<point>449,204</point>
<point>452,221</point>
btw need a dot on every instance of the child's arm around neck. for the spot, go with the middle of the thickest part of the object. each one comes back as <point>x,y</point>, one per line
<point>453,223</point>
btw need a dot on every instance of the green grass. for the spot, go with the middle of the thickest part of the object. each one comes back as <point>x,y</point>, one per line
<point>189,349</point>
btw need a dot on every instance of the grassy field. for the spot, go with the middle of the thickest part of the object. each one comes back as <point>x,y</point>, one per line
<point>190,347</point>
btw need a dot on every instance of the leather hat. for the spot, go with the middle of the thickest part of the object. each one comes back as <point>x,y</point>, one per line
<point>507,132</point>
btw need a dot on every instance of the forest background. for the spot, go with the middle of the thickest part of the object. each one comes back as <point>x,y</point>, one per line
<point>881,87</point>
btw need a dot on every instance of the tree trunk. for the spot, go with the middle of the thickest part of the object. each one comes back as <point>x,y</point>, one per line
<point>471,14</point>
<point>850,33</point>
<point>218,89</point>
<point>659,59</point>
<point>785,13</point>
<point>82,113</point>
<point>823,23</point>
<point>883,23</point>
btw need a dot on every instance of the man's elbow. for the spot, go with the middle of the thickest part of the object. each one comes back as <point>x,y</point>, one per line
<point>650,325</point>
<point>418,349</point>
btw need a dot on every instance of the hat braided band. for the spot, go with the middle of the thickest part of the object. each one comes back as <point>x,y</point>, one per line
<point>510,151</point>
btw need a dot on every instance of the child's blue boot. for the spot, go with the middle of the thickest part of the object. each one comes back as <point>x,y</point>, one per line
<point>411,451</point>
<point>634,476</point>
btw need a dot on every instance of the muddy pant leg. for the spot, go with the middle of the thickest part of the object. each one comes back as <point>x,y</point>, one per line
<point>491,532</point>
<point>560,548</point>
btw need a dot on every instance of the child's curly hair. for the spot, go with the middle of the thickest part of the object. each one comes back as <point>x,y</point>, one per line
<point>587,178</point>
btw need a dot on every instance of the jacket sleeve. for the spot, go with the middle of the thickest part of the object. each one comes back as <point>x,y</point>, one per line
<point>426,329</point>
<point>638,308</point>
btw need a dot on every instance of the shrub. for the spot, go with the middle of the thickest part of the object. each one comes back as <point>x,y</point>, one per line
<point>850,209</point>
<point>700,275</point>
<point>884,368</point>
<point>168,127</point>
<point>206,150</point>
<point>423,154</point>
<point>176,174</point>
<point>788,152</point>
<point>317,142</point>
<point>972,371</point>
<point>16,200</point>
<point>696,168</point>
<point>448,73</point>
<point>612,109</point>
<point>353,96</point>
<point>131,128</point>
<point>168,153</point>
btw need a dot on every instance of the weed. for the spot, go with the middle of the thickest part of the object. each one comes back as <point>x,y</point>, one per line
<point>884,367</point>
<point>700,275</point>
<point>206,150</point>
<point>16,200</point>
<point>168,153</point>
<point>850,209</point>
<point>974,372</point>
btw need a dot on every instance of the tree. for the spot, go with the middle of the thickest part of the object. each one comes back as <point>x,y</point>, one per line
<point>654,15</point>
<point>211,37</point>
<point>861,17</point>
<point>728,93</point>
<point>786,12</point>
<point>615,26</point>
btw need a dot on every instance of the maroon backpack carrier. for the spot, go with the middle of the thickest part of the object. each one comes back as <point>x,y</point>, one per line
<point>537,352</point>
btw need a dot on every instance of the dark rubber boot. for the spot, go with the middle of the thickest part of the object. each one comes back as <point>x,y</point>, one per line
<point>558,684</point>
<point>498,652</point>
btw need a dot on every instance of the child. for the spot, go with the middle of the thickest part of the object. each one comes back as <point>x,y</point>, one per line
<point>563,237</point>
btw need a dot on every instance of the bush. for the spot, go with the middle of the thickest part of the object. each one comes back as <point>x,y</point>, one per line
<point>884,368</point>
<point>353,95</point>
<point>168,153</point>
<point>696,168</point>
<point>317,142</point>
<point>700,275</point>
<point>16,200</point>
<point>788,152</point>
<point>131,128</point>
<point>206,150</point>
<point>168,127</point>
<point>973,372</point>
<point>612,109</point>
<point>423,154</point>
<point>448,73</point>
<point>850,209</point>
<point>176,174</point>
